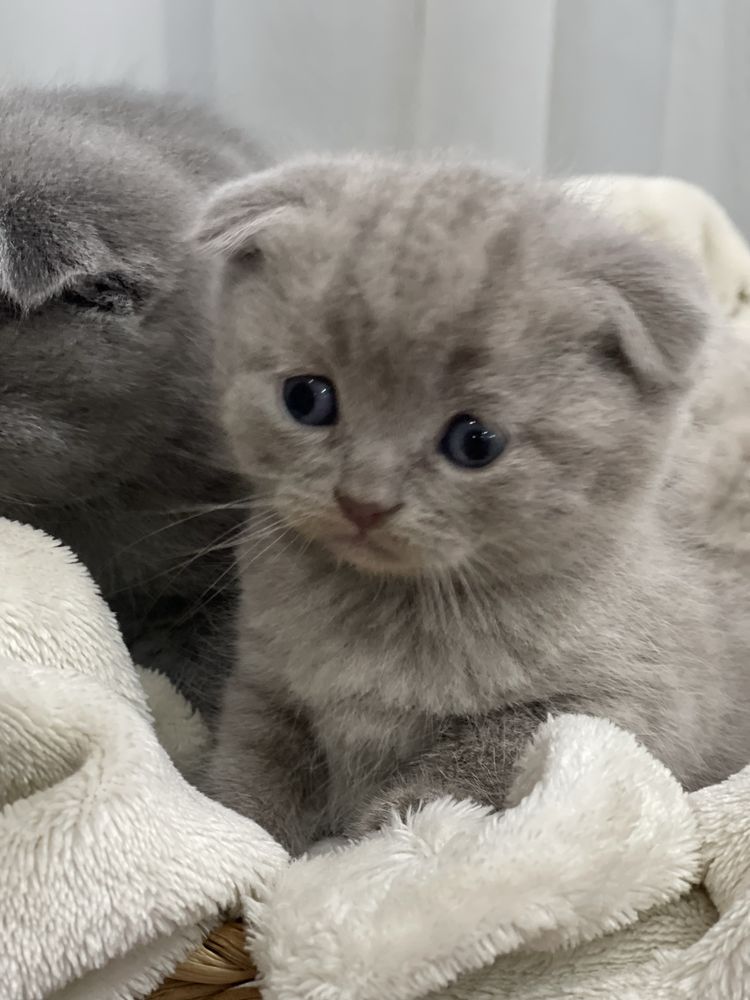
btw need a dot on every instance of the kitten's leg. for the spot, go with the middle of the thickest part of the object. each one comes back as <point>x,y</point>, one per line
<point>472,758</point>
<point>266,765</point>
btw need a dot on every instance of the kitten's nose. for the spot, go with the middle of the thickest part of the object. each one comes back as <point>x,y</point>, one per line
<point>364,515</point>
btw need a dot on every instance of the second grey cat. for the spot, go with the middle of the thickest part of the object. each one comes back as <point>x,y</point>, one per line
<point>107,433</point>
<point>466,404</point>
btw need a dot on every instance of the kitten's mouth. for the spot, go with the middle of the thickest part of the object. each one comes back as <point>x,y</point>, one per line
<point>379,552</point>
<point>359,543</point>
<point>373,555</point>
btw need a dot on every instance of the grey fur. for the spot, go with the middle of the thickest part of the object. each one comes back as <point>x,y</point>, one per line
<point>106,316</point>
<point>569,575</point>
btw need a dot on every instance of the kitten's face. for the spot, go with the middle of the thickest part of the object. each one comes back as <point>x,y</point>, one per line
<point>435,369</point>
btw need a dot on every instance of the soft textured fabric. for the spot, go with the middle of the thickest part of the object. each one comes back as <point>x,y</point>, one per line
<point>604,880</point>
<point>112,866</point>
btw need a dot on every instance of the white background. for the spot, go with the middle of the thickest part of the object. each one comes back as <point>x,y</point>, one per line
<point>648,86</point>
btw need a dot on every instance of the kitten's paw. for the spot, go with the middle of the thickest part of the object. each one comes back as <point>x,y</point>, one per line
<point>328,846</point>
<point>389,807</point>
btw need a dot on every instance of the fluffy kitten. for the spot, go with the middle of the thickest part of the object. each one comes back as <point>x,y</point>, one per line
<point>463,398</point>
<point>106,316</point>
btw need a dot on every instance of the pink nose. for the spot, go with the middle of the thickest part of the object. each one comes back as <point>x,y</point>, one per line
<point>364,515</point>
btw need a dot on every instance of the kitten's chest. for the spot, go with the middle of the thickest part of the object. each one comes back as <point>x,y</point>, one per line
<point>355,650</point>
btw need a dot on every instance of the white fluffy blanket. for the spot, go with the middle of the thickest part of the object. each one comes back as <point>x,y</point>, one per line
<point>603,881</point>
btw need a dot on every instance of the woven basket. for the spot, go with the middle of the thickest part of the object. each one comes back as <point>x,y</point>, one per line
<point>220,969</point>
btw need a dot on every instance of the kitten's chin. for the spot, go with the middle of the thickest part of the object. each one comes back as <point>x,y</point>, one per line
<point>369,556</point>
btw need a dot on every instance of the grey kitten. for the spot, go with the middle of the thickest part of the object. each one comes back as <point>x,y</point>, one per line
<point>463,399</point>
<point>107,434</point>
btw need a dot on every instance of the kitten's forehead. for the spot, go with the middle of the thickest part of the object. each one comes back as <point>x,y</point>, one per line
<point>421,268</point>
<point>420,248</point>
<point>418,283</point>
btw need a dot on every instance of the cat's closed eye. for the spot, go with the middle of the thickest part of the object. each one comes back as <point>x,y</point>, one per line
<point>111,293</point>
<point>9,310</point>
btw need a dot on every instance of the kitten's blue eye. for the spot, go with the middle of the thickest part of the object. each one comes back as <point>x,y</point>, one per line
<point>311,400</point>
<point>468,443</point>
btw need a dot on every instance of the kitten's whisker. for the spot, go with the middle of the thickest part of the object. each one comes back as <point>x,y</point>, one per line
<point>173,570</point>
<point>281,530</point>
<point>247,535</point>
<point>211,590</point>
<point>251,503</point>
<point>12,500</point>
<point>235,531</point>
<point>239,535</point>
<point>157,531</point>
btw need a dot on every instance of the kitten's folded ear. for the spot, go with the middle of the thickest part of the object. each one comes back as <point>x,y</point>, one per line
<point>238,212</point>
<point>661,312</point>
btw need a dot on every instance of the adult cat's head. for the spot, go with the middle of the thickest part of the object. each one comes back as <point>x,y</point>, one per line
<point>431,366</point>
<point>99,294</point>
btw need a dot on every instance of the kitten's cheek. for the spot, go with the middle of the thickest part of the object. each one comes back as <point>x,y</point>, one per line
<point>259,450</point>
<point>247,411</point>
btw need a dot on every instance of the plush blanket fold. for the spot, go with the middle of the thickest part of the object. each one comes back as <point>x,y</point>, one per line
<point>112,867</point>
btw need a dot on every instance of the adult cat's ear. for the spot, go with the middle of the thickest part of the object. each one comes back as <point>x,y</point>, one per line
<point>45,257</point>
